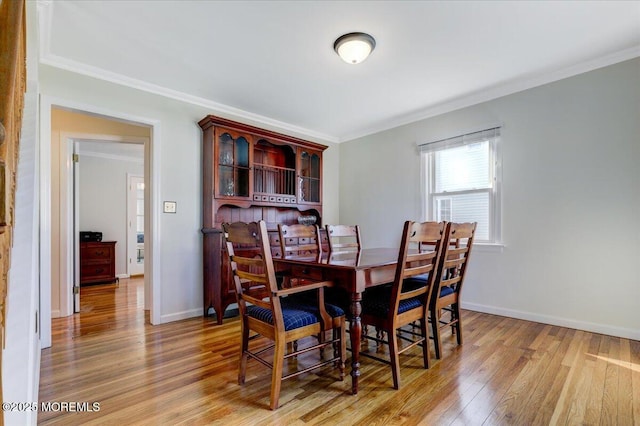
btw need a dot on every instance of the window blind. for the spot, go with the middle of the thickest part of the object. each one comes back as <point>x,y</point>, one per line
<point>461,140</point>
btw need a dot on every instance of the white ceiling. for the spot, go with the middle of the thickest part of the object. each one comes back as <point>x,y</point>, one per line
<point>273,62</point>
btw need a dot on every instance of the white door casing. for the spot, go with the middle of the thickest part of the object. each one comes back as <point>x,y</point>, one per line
<point>76,227</point>
<point>152,278</point>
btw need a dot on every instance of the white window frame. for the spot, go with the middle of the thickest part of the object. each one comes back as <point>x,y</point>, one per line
<point>495,174</point>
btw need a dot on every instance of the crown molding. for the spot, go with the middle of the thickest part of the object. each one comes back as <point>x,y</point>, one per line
<point>216,107</point>
<point>499,91</point>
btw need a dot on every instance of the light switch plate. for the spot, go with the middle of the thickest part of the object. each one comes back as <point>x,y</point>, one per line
<point>170,206</point>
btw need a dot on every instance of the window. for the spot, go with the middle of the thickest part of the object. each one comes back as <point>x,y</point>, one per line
<point>462,181</point>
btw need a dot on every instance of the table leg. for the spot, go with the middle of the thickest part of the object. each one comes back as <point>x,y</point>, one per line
<point>355,332</point>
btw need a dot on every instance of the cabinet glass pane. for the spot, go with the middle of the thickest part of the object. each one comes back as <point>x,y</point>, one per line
<point>314,190</point>
<point>233,169</point>
<point>225,149</point>
<point>304,164</point>
<point>242,182</point>
<point>315,166</point>
<point>225,184</point>
<point>242,152</point>
<point>309,190</point>
<point>309,177</point>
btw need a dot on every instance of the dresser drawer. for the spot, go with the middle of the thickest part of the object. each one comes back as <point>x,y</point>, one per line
<point>306,272</point>
<point>96,252</point>
<point>96,271</point>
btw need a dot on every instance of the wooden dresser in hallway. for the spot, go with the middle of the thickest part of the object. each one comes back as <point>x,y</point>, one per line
<point>97,262</point>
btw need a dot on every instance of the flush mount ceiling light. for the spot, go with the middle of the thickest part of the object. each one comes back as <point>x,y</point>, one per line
<point>354,48</point>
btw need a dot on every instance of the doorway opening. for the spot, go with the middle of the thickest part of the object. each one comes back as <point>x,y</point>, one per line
<point>103,171</point>
<point>64,125</point>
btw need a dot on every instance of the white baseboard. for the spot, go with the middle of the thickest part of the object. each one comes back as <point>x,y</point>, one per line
<point>609,330</point>
<point>55,313</point>
<point>123,276</point>
<point>181,315</point>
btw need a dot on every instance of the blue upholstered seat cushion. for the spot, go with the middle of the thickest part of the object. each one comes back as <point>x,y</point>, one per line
<point>293,318</point>
<point>445,291</point>
<point>309,303</point>
<point>421,280</point>
<point>378,303</point>
<point>416,282</point>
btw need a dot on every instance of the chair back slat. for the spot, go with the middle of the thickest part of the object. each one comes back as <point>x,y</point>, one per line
<point>252,277</point>
<point>257,301</point>
<point>455,249</point>
<point>419,263</point>
<point>249,261</point>
<point>417,270</point>
<point>449,282</point>
<point>409,294</point>
<point>453,263</point>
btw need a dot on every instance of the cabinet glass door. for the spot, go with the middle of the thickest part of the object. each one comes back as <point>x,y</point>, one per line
<point>309,177</point>
<point>233,166</point>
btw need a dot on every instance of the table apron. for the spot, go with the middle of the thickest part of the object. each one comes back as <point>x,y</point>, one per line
<point>374,276</point>
<point>354,281</point>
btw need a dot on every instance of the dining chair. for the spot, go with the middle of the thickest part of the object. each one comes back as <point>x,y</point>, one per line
<point>304,240</point>
<point>391,308</point>
<point>263,309</point>
<point>449,279</point>
<point>343,238</point>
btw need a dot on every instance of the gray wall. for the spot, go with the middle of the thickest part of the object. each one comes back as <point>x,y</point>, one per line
<point>571,199</point>
<point>103,200</point>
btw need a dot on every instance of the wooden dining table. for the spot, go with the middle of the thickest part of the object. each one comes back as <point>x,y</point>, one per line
<point>352,271</point>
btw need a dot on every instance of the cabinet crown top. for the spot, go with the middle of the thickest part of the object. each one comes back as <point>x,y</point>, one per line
<point>214,121</point>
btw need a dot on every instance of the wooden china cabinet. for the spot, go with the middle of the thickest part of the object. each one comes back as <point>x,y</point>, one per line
<point>251,174</point>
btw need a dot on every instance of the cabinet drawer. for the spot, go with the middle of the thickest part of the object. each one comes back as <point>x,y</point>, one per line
<point>306,272</point>
<point>299,241</point>
<point>276,251</point>
<point>274,239</point>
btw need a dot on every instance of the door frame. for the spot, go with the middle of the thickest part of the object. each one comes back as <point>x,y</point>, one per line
<point>75,171</point>
<point>152,277</point>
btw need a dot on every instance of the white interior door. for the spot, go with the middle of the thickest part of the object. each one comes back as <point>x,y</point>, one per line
<point>135,225</point>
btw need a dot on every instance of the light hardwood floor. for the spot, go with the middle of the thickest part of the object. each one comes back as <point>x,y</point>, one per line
<point>508,372</point>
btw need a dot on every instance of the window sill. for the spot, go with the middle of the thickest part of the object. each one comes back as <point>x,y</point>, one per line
<point>488,247</point>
